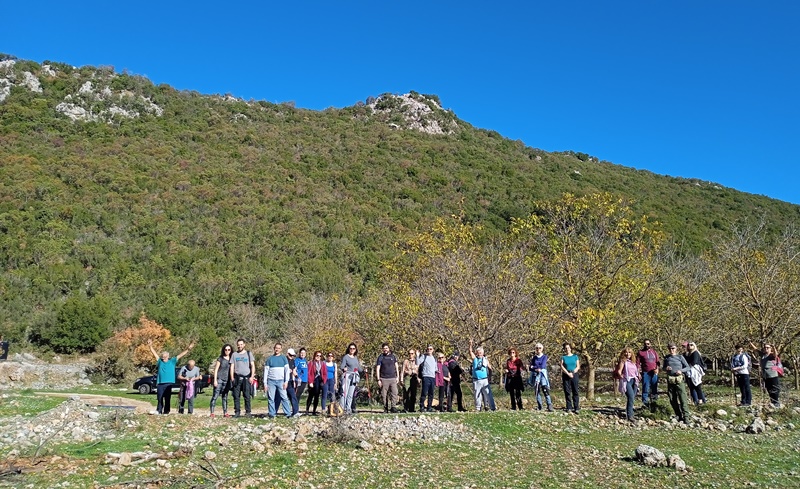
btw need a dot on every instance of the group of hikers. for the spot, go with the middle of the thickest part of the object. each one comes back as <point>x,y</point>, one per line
<point>333,384</point>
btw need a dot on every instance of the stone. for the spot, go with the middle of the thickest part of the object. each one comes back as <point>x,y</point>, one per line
<point>722,412</point>
<point>365,445</point>
<point>650,456</point>
<point>677,462</point>
<point>756,427</point>
<point>209,455</point>
<point>125,459</point>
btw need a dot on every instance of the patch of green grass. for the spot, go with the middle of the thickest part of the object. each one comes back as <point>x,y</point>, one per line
<point>26,403</point>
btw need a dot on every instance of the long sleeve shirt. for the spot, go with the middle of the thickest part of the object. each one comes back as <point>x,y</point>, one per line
<point>277,368</point>
<point>678,364</point>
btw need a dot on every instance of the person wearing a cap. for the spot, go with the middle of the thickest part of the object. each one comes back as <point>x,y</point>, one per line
<point>676,366</point>
<point>276,380</point>
<point>294,381</point>
<point>455,383</point>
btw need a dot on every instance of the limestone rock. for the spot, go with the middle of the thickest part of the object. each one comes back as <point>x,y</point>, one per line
<point>650,456</point>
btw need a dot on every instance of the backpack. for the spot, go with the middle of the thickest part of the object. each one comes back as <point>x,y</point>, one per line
<point>334,409</point>
<point>778,367</point>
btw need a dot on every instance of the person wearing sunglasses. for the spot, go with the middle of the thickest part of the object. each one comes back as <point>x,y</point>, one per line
<point>675,366</point>
<point>223,379</point>
<point>351,368</point>
<point>513,384</point>
<point>317,383</point>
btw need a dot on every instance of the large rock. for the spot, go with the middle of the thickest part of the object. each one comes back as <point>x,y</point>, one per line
<point>757,426</point>
<point>650,456</point>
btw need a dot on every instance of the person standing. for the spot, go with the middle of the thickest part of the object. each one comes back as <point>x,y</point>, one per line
<point>223,379</point>
<point>331,386</point>
<point>317,383</point>
<point>427,369</point>
<point>740,366</point>
<point>301,366</point>
<point>187,376</point>
<point>165,376</point>
<point>514,385</point>
<point>694,378</point>
<point>570,366</point>
<point>442,380</point>
<point>351,368</point>
<point>647,362</point>
<point>294,382</point>
<point>455,383</point>
<point>410,379</point>
<point>244,371</point>
<point>276,380</point>
<point>675,365</point>
<point>770,366</point>
<point>480,375</point>
<point>628,373</point>
<point>388,373</point>
<point>541,381</point>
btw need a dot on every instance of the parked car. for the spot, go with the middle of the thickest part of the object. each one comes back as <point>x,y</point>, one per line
<point>147,384</point>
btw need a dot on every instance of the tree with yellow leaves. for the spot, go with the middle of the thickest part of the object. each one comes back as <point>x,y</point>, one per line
<point>593,259</point>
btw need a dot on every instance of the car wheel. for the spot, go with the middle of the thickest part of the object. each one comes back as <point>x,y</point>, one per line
<point>144,389</point>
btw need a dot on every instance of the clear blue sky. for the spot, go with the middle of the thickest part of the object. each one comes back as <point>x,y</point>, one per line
<point>706,89</point>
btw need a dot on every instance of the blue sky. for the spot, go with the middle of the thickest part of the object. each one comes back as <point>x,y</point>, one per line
<point>704,89</point>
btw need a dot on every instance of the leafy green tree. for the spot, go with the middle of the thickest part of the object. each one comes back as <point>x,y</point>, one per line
<point>80,325</point>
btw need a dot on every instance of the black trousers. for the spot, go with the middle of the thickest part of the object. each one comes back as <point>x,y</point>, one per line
<point>241,385</point>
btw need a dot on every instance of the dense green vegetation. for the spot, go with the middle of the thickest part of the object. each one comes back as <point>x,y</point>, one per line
<point>221,202</point>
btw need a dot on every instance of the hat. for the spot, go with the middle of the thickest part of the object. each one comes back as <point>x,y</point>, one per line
<point>456,354</point>
<point>290,352</point>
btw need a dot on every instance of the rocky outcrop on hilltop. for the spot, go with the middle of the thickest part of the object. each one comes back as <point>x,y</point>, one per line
<point>95,100</point>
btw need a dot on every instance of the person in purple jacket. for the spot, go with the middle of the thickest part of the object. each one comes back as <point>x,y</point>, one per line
<point>539,378</point>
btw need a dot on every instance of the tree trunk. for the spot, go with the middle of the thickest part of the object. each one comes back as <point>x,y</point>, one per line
<point>590,386</point>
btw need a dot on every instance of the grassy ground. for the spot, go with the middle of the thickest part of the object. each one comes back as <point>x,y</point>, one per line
<point>506,449</point>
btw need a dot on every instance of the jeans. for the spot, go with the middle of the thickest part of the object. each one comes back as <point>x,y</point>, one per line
<point>543,389</point>
<point>571,394</point>
<point>164,395</point>
<point>275,387</point>
<point>241,385</point>
<point>630,394</point>
<point>349,393</point>
<point>743,381</point>
<point>330,391</point>
<point>428,384</point>
<point>185,400</point>
<point>649,386</point>
<point>291,391</point>
<point>221,389</point>
<point>696,390</point>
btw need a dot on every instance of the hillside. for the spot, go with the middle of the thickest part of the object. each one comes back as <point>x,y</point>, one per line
<point>123,196</point>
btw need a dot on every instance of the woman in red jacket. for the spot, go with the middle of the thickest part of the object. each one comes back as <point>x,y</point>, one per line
<point>317,382</point>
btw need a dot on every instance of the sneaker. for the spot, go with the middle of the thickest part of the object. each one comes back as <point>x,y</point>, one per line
<point>226,415</point>
<point>550,409</point>
<point>212,415</point>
